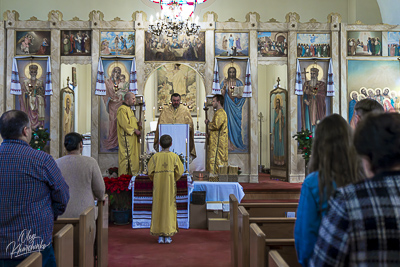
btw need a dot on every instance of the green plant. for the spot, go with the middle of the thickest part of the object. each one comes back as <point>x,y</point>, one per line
<point>118,191</point>
<point>39,139</point>
<point>304,139</point>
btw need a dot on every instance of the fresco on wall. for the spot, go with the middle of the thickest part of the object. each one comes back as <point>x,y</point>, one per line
<point>231,44</point>
<point>117,85</point>
<point>232,76</point>
<point>175,48</point>
<point>32,42</point>
<point>393,44</point>
<point>117,43</point>
<point>76,43</point>
<point>313,45</point>
<point>364,43</point>
<point>272,44</point>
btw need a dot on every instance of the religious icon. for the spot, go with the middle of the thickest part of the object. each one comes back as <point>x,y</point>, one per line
<point>236,107</point>
<point>278,135</point>
<point>117,85</point>
<point>76,43</point>
<point>313,45</point>
<point>232,44</point>
<point>364,43</point>
<point>272,44</point>
<point>176,78</point>
<point>314,105</point>
<point>32,42</point>
<point>67,114</point>
<point>175,48</point>
<point>117,43</point>
<point>393,44</point>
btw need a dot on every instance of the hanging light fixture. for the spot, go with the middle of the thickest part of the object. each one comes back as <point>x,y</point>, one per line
<point>176,18</point>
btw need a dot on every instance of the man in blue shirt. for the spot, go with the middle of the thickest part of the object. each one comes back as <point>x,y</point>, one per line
<point>33,194</point>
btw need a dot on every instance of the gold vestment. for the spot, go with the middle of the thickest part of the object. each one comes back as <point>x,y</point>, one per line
<point>218,136</point>
<point>165,168</point>
<point>129,147</point>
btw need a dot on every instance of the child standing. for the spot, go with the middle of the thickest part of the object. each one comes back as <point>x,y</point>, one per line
<point>165,168</point>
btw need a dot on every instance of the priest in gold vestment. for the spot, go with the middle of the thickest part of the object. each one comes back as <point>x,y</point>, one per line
<point>218,136</point>
<point>165,168</point>
<point>128,134</point>
<point>177,114</point>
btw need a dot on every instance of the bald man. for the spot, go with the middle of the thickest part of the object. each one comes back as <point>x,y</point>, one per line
<point>128,134</point>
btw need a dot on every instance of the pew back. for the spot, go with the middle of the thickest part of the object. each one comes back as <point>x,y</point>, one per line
<point>276,260</point>
<point>269,209</point>
<point>34,260</point>
<point>102,233</point>
<point>233,210</point>
<point>63,243</point>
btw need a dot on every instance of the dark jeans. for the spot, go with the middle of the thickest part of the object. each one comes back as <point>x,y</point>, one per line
<point>48,259</point>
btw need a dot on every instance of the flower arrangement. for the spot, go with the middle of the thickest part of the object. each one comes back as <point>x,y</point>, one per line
<point>117,189</point>
<point>304,137</point>
<point>113,171</point>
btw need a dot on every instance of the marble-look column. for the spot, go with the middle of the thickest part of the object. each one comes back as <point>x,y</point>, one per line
<point>96,18</point>
<point>296,162</point>
<point>210,53</point>
<point>10,27</point>
<point>334,20</point>
<point>55,55</point>
<point>254,131</point>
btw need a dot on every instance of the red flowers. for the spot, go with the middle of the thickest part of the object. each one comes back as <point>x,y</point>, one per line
<point>117,188</point>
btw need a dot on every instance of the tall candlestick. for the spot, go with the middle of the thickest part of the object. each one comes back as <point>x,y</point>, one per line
<point>154,113</point>
<point>198,114</point>
<point>186,151</point>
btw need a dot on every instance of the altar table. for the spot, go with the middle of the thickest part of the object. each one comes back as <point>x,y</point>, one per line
<point>199,163</point>
<point>219,191</point>
<point>142,199</point>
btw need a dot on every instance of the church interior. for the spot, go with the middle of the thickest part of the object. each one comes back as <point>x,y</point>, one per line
<point>286,54</point>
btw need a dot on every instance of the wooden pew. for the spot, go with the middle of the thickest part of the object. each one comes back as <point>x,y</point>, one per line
<point>273,228</point>
<point>102,233</point>
<point>254,210</point>
<point>260,246</point>
<point>276,260</point>
<point>83,236</point>
<point>233,213</point>
<point>34,260</point>
<point>63,244</point>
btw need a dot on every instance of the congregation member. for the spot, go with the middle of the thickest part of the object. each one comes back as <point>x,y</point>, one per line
<point>218,127</point>
<point>165,168</point>
<point>361,227</point>
<point>82,175</point>
<point>128,130</point>
<point>176,114</point>
<point>334,163</point>
<point>366,106</point>
<point>33,193</point>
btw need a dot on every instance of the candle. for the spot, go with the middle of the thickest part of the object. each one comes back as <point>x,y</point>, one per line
<point>154,113</point>
<point>205,101</point>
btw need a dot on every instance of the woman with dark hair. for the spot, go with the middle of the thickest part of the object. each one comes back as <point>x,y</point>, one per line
<point>334,163</point>
<point>361,227</point>
<point>82,175</point>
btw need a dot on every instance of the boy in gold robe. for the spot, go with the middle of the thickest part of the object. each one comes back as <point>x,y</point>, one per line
<point>165,168</point>
<point>218,136</point>
<point>128,134</point>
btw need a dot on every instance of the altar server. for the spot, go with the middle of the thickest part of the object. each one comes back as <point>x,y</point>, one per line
<point>165,168</point>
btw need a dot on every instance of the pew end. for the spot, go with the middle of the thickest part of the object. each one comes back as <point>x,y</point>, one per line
<point>34,260</point>
<point>63,243</point>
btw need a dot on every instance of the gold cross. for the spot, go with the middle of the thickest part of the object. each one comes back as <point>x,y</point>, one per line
<point>165,165</point>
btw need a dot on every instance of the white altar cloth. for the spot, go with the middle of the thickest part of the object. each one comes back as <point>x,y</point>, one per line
<point>219,191</point>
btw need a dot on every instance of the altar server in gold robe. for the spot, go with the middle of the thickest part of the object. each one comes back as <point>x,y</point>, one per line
<point>128,134</point>
<point>177,114</point>
<point>218,136</point>
<point>165,168</point>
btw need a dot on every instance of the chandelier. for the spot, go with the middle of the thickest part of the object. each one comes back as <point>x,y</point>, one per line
<point>176,18</point>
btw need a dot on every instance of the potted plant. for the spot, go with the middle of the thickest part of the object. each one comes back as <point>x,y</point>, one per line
<point>304,139</point>
<point>120,197</point>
